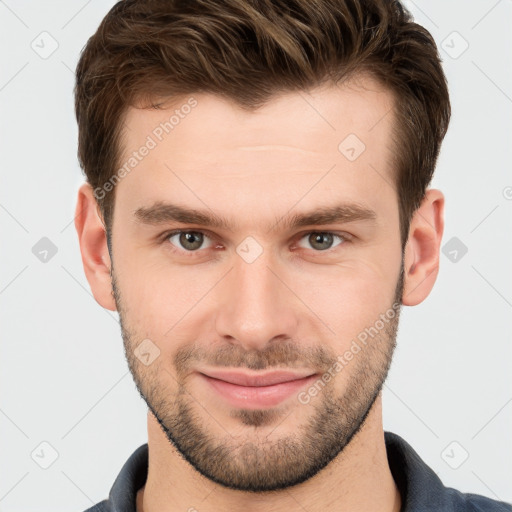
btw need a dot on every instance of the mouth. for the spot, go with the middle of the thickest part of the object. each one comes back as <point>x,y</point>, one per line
<point>256,390</point>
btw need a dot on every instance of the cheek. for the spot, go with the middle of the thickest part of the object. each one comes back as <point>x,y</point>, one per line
<point>159,299</point>
<point>347,297</point>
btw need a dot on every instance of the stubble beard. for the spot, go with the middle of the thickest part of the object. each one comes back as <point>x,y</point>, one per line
<point>259,463</point>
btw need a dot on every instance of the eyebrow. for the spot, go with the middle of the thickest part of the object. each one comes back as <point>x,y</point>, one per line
<point>162,213</point>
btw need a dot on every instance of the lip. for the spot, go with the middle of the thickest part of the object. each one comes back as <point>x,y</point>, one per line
<point>256,390</point>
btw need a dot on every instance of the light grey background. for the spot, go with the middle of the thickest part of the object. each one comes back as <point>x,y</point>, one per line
<point>63,376</point>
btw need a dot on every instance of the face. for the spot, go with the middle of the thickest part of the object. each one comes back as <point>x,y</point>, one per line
<point>259,339</point>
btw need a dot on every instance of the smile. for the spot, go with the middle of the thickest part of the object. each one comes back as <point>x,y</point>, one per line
<point>256,390</point>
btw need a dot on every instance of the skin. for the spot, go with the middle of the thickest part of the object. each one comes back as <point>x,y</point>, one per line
<point>254,167</point>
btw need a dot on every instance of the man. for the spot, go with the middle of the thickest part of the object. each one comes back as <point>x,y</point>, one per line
<point>256,209</point>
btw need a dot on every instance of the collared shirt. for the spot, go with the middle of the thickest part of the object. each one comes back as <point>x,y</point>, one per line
<point>420,488</point>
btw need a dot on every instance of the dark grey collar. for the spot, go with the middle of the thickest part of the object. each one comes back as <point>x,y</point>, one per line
<point>420,488</point>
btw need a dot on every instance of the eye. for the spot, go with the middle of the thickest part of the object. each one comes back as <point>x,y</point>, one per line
<point>323,240</point>
<point>192,241</point>
<point>189,241</point>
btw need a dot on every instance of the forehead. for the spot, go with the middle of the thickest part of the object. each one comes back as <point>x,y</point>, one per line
<point>205,149</point>
<point>358,105</point>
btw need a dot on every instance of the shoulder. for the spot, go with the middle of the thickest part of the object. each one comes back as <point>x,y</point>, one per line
<point>468,502</point>
<point>422,490</point>
<point>131,478</point>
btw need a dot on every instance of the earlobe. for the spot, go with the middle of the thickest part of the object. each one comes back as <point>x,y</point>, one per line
<point>93,247</point>
<point>421,259</point>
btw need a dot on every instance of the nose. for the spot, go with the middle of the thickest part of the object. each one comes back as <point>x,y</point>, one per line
<point>256,306</point>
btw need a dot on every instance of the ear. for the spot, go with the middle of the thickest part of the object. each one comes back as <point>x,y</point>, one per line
<point>421,259</point>
<point>93,246</point>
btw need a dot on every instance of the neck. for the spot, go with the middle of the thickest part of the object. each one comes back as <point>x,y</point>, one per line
<point>357,480</point>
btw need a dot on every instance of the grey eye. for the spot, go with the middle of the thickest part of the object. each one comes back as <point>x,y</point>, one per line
<point>322,240</point>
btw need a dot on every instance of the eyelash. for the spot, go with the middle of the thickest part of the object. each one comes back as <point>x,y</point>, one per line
<point>346,238</point>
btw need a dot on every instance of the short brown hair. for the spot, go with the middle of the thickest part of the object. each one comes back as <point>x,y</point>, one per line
<point>249,50</point>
